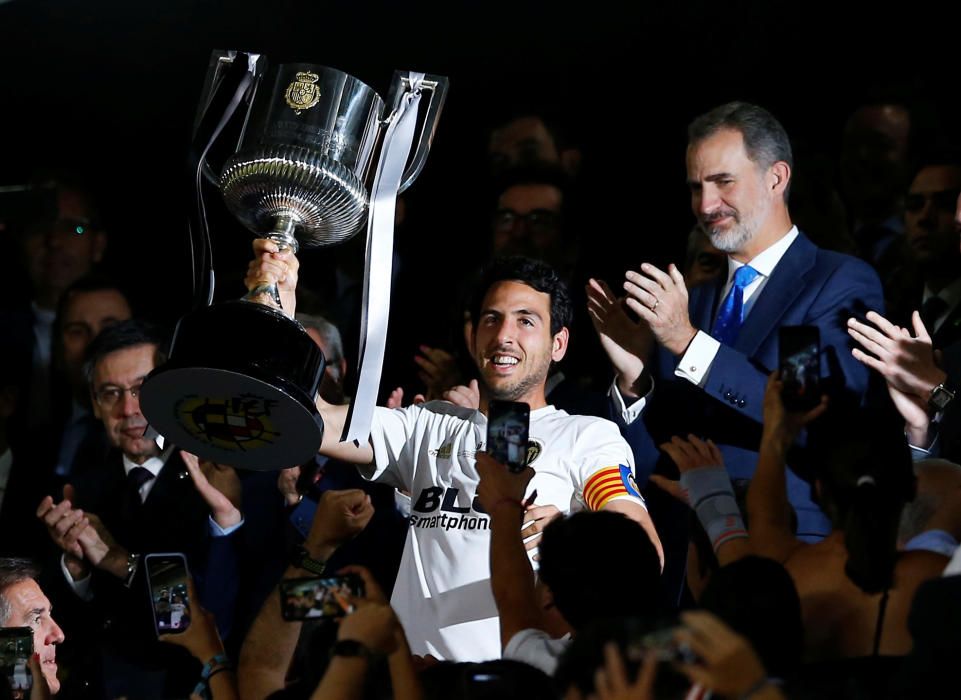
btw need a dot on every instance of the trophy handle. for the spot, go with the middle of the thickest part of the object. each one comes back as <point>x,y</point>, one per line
<point>266,292</point>
<point>401,85</point>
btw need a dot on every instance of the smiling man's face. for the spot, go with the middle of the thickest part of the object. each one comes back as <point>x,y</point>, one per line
<point>513,345</point>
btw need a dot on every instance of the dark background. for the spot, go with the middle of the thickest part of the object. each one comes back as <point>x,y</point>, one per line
<point>109,89</point>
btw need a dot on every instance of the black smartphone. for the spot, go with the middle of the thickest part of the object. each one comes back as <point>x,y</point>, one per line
<point>508,423</point>
<point>167,581</point>
<point>320,597</point>
<point>16,648</point>
<point>799,359</point>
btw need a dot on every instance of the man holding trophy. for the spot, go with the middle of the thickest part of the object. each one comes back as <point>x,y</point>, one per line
<point>443,590</point>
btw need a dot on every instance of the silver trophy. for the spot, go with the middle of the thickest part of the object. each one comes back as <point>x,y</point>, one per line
<point>240,383</point>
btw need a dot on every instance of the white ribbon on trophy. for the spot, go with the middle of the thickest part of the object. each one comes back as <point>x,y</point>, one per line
<point>379,258</point>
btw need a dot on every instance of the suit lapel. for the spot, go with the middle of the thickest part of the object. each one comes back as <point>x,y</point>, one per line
<point>777,296</point>
<point>704,300</point>
<point>950,330</point>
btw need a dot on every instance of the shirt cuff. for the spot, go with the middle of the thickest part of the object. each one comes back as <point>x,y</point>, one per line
<point>920,453</point>
<point>631,413</point>
<point>937,541</point>
<point>217,531</point>
<point>696,362</point>
<point>81,586</point>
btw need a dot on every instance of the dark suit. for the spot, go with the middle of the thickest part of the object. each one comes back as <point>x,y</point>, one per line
<point>949,332</point>
<point>566,395</point>
<point>809,286</point>
<point>173,518</point>
<point>21,533</point>
<point>948,430</point>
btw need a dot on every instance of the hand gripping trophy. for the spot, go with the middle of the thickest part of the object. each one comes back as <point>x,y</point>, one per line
<point>317,158</point>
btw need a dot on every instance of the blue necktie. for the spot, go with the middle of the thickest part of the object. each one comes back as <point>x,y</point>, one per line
<point>731,314</point>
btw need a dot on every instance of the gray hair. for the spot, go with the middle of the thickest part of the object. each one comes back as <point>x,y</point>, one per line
<point>331,335</point>
<point>12,572</point>
<point>765,140</point>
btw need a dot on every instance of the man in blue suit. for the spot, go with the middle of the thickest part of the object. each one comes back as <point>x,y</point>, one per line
<point>718,343</point>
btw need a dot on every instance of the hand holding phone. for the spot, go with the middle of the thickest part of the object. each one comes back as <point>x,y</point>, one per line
<point>16,648</point>
<point>508,424</point>
<point>169,599</point>
<point>799,360</point>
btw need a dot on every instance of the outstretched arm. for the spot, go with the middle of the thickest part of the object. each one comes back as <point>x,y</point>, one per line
<point>769,520</point>
<point>512,578</point>
<point>907,364</point>
<point>272,266</point>
<point>270,643</point>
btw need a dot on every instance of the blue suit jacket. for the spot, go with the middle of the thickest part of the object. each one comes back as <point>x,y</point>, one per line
<point>809,286</point>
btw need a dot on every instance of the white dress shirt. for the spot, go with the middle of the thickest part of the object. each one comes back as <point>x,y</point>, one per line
<point>696,362</point>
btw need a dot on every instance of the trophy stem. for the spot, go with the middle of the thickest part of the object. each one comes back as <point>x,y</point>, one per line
<point>282,233</point>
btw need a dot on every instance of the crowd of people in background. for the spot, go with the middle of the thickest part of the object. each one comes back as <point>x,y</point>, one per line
<point>680,529</point>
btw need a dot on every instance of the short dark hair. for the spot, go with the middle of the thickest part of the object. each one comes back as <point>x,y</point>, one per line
<point>93,282</point>
<point>765,140</point>
<point>13,571</point>
<point>535,274</point>
<point>121,336</point>
<point>592,544</point>
<point>497,679</point>
<point>757,598</point>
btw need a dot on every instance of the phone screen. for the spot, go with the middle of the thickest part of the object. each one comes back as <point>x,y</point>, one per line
<point>319,597</point>
<point>16,648</point>
<point>167,578</point>
<point>507,433</point>
<point>799,355</point>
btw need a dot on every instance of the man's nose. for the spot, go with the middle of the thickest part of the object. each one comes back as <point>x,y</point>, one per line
<point>707,201</point>
<point>505,331</point>
<point>129,404</point>
<point>54,634</point>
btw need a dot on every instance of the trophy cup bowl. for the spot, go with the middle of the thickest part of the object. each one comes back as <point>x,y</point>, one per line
<point>280,187</point>
<point>241,379</point>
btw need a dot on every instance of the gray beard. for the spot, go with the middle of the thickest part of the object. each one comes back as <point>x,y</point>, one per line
<point>728,241</point>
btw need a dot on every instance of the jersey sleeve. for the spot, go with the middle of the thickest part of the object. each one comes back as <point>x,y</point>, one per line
<point>606,467</point>
<point>391,431</point>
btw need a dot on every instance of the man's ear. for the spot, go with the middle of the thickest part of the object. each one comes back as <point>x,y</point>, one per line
<point>98,245</point>
<point>778,177</point>
<point>571,161</point>
<point>97,413</point>
<point>559,347</point>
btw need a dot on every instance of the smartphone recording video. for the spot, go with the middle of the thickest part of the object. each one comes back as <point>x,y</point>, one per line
<point>507,433</point>
<point>799,358</point>
<point>662,645</point>
<point>167,580</point>
<point>16,648</point>
<point>319,598</point>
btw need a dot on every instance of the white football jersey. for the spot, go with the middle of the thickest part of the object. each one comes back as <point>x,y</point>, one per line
<point>443,592</point>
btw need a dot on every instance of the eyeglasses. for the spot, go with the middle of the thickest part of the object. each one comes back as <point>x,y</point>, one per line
<point>109,396</point>
<point>536,221</point>
<point>945,200</point>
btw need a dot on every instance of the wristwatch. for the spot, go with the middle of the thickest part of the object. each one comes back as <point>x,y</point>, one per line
<point>941,396</point>
<point>301,558</point>
<point>351,647</point>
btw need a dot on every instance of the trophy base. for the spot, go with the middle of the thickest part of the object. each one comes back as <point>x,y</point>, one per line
<point>239,388</point>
